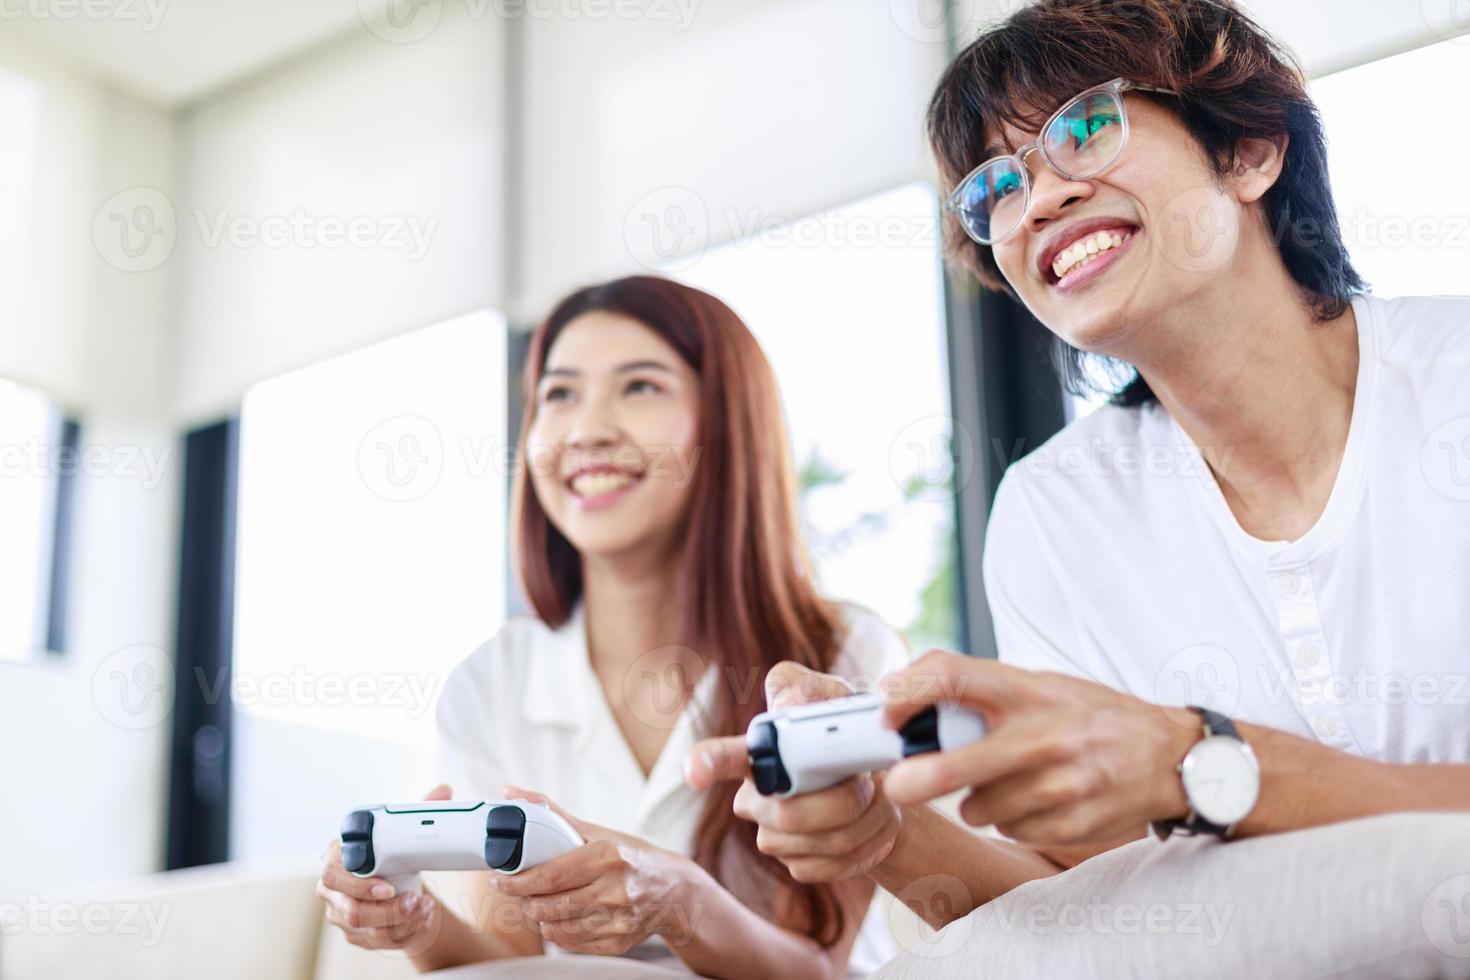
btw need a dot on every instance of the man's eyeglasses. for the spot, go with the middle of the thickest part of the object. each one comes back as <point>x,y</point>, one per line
<point>1081,140</point>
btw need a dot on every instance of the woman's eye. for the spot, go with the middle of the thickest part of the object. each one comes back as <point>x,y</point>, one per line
<point>556,394</point>
<point>641,387</point>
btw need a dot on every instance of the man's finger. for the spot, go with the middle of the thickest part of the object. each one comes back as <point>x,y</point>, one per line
<point>1032,743</point>
<point>716,760</point>
<point>941,677</point>
<point>790,683</point>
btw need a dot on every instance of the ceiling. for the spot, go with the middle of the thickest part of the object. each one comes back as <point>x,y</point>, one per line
<point>174,52</point>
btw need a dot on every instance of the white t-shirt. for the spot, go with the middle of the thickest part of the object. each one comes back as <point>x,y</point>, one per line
<point>1112,555</point>
<point>527,709</point>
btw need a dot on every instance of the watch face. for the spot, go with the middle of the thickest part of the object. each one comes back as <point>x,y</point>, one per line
<point>1221,779</point>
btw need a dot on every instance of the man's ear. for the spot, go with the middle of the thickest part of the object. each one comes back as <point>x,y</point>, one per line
<point>1257,167</point>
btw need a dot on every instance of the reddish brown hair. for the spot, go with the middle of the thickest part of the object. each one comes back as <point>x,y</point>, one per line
<point>1232,81</point>
<point>746,589</point>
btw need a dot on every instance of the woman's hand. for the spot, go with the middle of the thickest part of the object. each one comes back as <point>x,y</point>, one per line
<point>370,914</point>
<point>609,895</point>
<point>831,835</point>
<point>1066,762</point>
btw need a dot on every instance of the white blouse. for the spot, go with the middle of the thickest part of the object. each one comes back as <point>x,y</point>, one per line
<point>527,709</point>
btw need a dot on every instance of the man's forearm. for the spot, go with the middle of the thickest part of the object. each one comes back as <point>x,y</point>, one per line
<point>1304,784</point>
<point>944,871</point>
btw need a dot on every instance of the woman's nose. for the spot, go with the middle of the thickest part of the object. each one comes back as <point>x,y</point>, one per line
<point>592,426</point>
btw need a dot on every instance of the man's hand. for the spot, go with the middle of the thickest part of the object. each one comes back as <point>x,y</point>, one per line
<point>833,834</point>
<point>1065,762</point>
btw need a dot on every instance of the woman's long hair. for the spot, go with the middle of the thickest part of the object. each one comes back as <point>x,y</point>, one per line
<point>746,587</point>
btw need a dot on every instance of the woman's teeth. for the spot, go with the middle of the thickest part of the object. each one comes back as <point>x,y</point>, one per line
<point>597,484</point>
<point>1082,252</point>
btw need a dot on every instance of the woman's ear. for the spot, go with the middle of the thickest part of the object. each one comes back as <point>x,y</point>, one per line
<point>1258,165</point>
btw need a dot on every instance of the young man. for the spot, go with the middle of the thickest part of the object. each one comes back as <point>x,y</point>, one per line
<point>1269,523</point>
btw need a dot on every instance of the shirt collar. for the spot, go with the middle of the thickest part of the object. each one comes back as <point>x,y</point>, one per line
<point>561,684</point>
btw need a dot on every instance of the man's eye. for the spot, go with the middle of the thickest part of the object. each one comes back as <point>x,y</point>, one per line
<point>1007,185</point>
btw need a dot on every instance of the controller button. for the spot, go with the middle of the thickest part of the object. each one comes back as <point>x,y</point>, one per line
<point>505,832</point>
<point>357,841</point>
<point>921,734</point>
<point>766,770</point>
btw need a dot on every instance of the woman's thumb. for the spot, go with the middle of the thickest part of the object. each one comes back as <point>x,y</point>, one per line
<point>440,792</point>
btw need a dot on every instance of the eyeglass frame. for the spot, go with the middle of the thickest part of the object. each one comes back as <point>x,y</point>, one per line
<point>1115,88</point>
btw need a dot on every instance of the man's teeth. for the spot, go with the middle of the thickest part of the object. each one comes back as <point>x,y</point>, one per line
<point>597,484</point>
<point>1084,251</point>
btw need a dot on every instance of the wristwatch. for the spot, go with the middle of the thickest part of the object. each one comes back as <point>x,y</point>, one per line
<point>1221,780</point>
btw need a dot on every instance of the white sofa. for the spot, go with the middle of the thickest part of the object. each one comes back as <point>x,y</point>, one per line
<point>222,921</point>
<point>238,922</point>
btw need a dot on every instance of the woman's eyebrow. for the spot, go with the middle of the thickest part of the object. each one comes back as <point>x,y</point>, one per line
<point>568,372</point>
<point>645,366</point>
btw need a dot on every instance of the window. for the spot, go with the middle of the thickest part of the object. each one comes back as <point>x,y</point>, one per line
<point>370,561</point>
<point>848,306</point>
<point>1397,154</point>
<point>33,469</point>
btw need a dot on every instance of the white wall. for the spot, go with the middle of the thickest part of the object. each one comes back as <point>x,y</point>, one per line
<point>70,323</point>
<point>752,110</point>
<point>86,794</point>
<point>359,129</point>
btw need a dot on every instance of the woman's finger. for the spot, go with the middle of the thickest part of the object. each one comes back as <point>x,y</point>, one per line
<point>568,871</point>
<point>575,903</point>
<point>587,830</point>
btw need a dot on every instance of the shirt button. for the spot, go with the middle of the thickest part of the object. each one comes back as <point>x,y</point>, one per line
<point>1288,584</point>
<point>1325,726</point>
<point>1308,655</point>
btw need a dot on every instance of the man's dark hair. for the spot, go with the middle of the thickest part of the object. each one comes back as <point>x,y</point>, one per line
<point>1233,82</point>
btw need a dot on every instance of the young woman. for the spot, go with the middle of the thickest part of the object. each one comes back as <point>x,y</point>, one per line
<point>654,516</point>
<point>1269,522</point>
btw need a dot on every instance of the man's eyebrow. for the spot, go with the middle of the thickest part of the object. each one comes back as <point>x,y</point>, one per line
<point>567,372</point>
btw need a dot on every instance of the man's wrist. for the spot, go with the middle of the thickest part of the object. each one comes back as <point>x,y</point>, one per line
<point>1182,729</point>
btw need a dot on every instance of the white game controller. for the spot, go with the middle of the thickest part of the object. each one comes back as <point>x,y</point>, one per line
<point>813,746</point>
<point>398,840</point>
